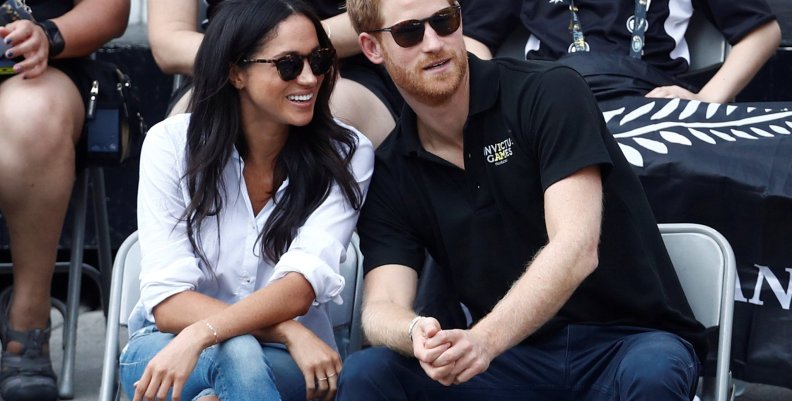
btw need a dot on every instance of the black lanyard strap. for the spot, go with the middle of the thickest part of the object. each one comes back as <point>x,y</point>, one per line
<point>638,28</point>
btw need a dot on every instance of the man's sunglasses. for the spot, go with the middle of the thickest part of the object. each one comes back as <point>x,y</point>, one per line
<point>411,32</point>
<point>291,65</point>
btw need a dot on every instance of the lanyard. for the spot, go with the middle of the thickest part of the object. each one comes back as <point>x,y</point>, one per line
<point>638,29</point>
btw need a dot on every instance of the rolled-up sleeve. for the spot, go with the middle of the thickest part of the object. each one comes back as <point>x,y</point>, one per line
<point>320,245</point>
<point>168,263</point>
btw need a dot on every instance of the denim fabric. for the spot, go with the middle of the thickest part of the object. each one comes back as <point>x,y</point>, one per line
<point>590,363</point>
<point>237,369</point>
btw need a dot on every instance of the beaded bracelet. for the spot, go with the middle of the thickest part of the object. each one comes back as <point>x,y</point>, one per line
<point>213,330</point>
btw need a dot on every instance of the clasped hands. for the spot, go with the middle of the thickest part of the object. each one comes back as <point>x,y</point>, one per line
<point>449,356</point>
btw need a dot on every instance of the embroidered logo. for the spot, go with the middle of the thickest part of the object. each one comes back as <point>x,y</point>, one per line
<point>498,153</point>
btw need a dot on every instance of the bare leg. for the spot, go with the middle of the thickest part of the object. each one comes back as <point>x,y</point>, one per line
<point>357,106</point>
<point>42,120</point>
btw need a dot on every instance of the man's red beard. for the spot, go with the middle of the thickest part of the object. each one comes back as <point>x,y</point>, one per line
<point>429,90</point>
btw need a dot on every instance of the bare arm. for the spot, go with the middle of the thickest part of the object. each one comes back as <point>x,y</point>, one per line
<point>173,34</point>
<point>573,210</point>
<point>282,300</point>
<point>740,66</point>
<point>91,24</point>
<point>341,33</point>
<point>387,306</point>
<point>742,63</point>
<point>479,49</point>
<point>573,213</point>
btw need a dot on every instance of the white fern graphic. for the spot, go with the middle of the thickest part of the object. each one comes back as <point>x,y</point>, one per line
<point>658,125</point>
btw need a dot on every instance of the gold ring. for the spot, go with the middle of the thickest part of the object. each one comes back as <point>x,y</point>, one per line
<point>332,375</point>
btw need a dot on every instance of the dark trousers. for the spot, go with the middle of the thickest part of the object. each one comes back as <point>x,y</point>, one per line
<point>578,363</point>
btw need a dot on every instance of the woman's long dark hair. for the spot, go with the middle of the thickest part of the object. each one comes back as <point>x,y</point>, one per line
<point>314,157</point>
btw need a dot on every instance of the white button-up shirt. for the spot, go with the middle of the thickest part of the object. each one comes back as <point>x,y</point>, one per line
<point>229,242</point>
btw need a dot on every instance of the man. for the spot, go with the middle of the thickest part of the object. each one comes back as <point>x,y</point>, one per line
<point>43,112</point>
<point>505,173</point>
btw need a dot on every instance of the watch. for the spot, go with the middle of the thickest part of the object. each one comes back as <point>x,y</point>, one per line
<point>54,37</point>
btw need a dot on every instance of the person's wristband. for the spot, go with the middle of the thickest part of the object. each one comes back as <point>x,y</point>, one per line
<point>412,325</point>
<point>54,37</point>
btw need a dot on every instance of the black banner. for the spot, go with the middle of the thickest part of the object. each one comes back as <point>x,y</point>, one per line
<point>728,167</point>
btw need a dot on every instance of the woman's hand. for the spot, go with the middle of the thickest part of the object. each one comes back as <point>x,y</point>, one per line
<point>28,40</point>
<point>171,367</point>
<point>319,363</point>
<point>673,91</point>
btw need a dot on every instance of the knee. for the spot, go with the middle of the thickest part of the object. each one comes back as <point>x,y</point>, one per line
<point>241,353</point>
<point>662,365</point>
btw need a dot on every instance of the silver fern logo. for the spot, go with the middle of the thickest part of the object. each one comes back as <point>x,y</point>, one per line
<point>659,124</point>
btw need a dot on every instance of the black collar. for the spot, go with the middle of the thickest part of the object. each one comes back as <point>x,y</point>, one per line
<point>484,91</point>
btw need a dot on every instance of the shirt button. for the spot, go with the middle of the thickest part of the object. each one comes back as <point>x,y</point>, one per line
<point>478,186</point>
<point>470,155</point>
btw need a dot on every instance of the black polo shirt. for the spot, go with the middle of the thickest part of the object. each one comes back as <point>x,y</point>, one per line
<point>530,125</point>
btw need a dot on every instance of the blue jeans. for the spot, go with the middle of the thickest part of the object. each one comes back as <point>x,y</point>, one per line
<point>237,369</point>
<point>589,363</point>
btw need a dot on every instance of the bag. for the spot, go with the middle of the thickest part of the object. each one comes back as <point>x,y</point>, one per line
<point>113,123</point>
<point>611,76</point>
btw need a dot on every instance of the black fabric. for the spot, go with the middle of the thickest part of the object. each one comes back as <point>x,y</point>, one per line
<point>728,167</point>
<point>613,76</point>
<point>484,223</point>
<point>490,22</point>
<point>49,9</point>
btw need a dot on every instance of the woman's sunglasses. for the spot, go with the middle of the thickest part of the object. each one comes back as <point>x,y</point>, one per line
<point>291,65</point>
<point>411,32</point>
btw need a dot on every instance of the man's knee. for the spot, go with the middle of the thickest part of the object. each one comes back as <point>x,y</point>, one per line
<point>660,365</point>
<point>370,371</point>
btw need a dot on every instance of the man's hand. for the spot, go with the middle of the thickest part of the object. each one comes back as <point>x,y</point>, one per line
<point>422,333</point>
<point>467,356</point>
<point>28,40</point>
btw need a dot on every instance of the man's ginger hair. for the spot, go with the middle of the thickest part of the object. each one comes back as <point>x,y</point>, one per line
<point>365,14</point>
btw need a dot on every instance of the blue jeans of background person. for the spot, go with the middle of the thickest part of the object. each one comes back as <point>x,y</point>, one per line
<point>238,369</point>
<point>589,363</point>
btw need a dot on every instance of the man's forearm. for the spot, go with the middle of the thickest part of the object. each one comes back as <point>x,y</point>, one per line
<point>387,324</point>
<point>535,298</point>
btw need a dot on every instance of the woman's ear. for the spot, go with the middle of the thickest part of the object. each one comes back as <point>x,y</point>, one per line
<point>236,77</point>
<point>371,47</point>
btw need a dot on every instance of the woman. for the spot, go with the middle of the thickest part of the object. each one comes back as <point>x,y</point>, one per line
<point>365,98</point>
<point>245,210</point>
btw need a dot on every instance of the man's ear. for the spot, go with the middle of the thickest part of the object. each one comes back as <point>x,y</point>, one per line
<point>371,48</point>
<point>235,76</point>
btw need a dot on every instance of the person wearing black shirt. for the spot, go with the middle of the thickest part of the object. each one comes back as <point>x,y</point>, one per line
<point>606,30</point>
<point>504,172</point>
